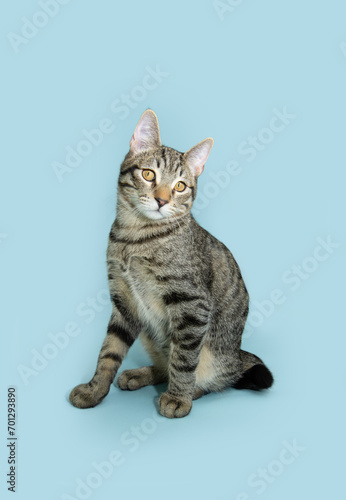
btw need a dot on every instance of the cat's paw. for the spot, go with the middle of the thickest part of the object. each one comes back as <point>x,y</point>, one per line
<point>85,396</point>
<point>174,407</point>
<point>131,380</point>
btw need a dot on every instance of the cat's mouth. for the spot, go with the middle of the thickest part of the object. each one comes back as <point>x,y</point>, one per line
<point>156,213</point>
<point>151,210</point>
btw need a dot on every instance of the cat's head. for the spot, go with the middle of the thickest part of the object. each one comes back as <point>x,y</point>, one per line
<point>157,182</point>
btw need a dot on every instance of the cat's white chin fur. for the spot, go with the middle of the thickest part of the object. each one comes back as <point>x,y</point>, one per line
<point>151,211</point>
<point>154,214</point>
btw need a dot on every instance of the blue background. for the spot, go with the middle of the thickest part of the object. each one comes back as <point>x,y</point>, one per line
<point>225,74</point>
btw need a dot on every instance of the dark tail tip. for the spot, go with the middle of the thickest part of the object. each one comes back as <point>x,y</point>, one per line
<point>256,378</point>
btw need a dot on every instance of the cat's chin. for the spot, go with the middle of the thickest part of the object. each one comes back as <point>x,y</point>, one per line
<point>154,215</point>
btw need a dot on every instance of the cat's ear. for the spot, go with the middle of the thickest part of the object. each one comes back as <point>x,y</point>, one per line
<point>147,133</point>
<point>197,156</point>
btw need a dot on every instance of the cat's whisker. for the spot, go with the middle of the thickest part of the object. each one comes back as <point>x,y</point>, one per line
<point>177,221</point>
<point>187,225</point>
<point>134,211</point>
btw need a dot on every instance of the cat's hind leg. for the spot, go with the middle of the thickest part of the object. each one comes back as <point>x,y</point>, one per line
<point>198,393</point>
<point>216,373</point>
<point>132,380</point>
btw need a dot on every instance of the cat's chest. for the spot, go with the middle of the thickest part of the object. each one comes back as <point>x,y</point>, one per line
<point>145,294</point>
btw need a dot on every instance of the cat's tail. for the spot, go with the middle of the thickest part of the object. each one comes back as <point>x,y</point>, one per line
<point>255,374</point>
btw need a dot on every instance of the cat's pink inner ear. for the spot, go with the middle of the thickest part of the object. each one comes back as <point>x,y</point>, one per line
<point>147,133</point>
<point>197,156</point>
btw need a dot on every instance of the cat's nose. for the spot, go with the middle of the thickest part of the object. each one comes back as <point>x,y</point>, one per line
<point>161,202</point>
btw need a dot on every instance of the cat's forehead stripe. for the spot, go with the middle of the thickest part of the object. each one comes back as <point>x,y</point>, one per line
<point>165,160</point>
<point>164,157</point>
<point>176,166</point>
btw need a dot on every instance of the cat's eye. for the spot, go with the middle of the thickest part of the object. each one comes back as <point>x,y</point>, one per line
<point>180,187</point>
<point>148,175</point>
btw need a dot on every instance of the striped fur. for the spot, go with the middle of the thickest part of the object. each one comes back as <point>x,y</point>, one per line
<point>172,284</point>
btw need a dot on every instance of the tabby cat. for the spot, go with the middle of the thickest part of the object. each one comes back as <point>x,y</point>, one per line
<point>172,284</point>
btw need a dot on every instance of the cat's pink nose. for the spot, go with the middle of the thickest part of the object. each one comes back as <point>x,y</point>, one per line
<point>161,202</point>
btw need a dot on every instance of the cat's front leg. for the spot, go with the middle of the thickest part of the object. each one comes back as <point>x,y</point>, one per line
<point>121,334</point>
<point>187,340</point>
